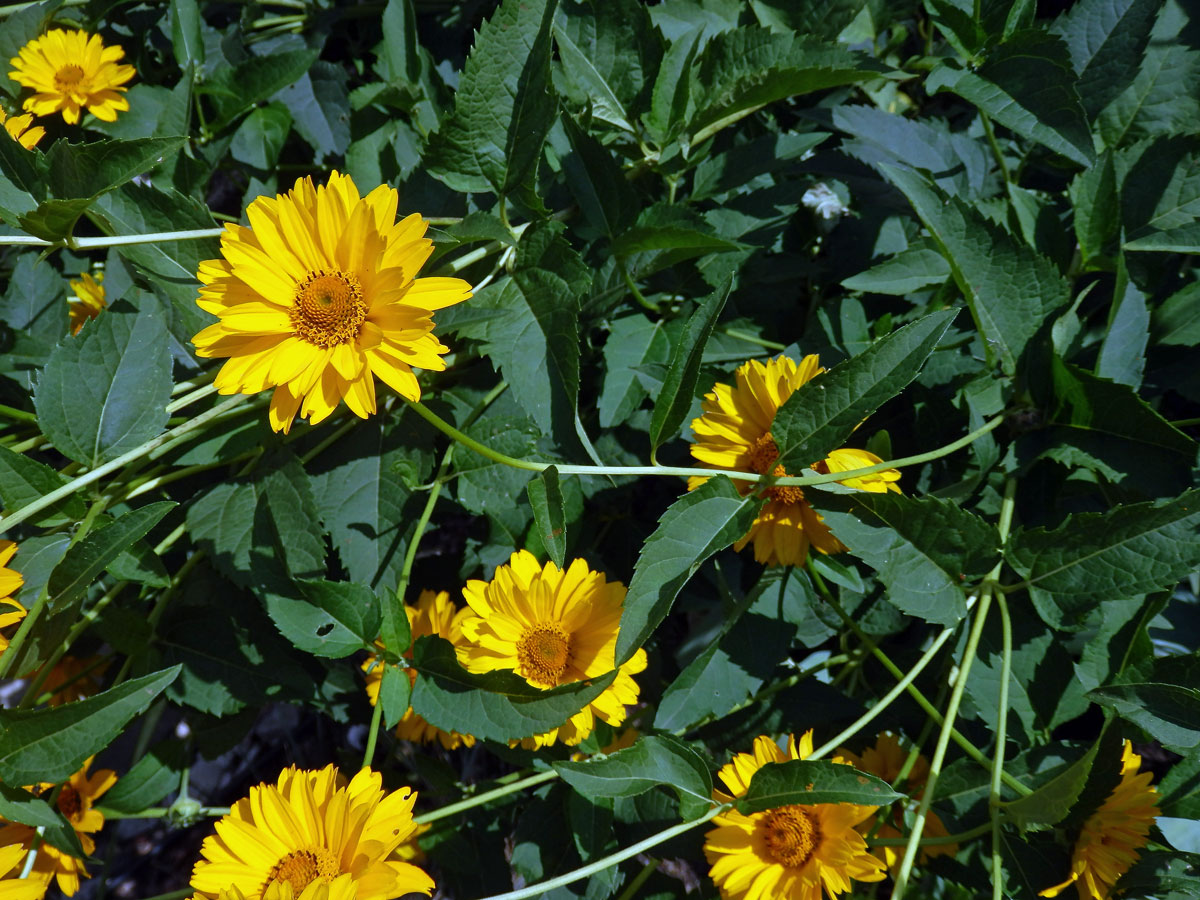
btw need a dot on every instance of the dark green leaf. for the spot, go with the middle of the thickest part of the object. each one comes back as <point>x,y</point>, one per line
<point>1177,321</point>
<point>1123,353</point>
<point>810,782</point>
<point>1050,803</point>
<point>395,693</point>
<point>1106,39</point>
<point>261,136</point>
<point>653,760</point>
<point>237,88</point>
<point>1097,207</point>
<point>670,98</point>
<point>1169,713</point>
<point>187,35</point>
<point>17,805</point>
<point>23,480</point>
<point>908,271</point>
<point>599,185</point>
<point>152,777</point>
<point>88,170</point>
<point>549,514</point>
<point>634,341</point>
<point>331,618</point>
<point>1160,100</point>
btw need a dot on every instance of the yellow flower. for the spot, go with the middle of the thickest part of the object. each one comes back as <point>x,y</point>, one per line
<point>433,614</point>
<point>552,627</point>
<point>11,612</point>
<point>73,679</point>
<point>791,852</point>
<point>1112,836</point>
<point>734,433</point>
<point>340,888</point>
<point>75,801</point>
<point>17,888</point>
<point>88,301</point>
<point>317,298</point>
<point>70,71</point>
<point>313,827</point>
<point>19,130</point>
<point>885,760</point>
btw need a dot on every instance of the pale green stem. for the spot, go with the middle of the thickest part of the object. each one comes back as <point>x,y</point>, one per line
<point>639,879</point>
<point>686,472</point>
<point>122,240</point>
<point>158,812</point>
<point>754,339</point>
<point>31,509</point>
<point>995,145</point>
<point>17,415</point>
<point>188,399</point>
<point>901,686</point>
<point>611,860</point>
<point>192,383</point>
<point>19,7</point>
<point>994,796</point>
<point>373,734</point>
<point>486,797</point>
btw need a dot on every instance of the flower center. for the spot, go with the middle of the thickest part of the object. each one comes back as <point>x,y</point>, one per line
<point>300,868</point>
<point>791,834</point>
<point>763,453</point>
<point>69,802</point>
<point>329,308</point>
<point>68,77</point>
<point>543,652</point>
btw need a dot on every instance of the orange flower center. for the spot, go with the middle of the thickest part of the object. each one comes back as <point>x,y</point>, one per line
<point>763,454</point>
<point>69,802</point>
<point>329,308</point>
<point>68,77</point>
<point>791,834</point>
<point>300,868</point>
<point>543,652</point>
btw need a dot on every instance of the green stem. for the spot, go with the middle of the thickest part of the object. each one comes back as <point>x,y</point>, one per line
<point>486,797</point>
<point>373,734</point>
<point>31,509</point>
<point>639,879</point>
<point>994,796</point>
<point>1184,423</point>
<point>158,812</point>
<point>188,399</point>
<point>995,145</point>
<point>93,243</point>
<point>633,288</point>
<point>17,415</point>
<point>754,339</point>
<point>537,890</point>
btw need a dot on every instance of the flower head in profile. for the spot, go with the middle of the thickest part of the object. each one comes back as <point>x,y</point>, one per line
<point>1111,837</point>
<point>312,827</point>
<point>75,801</point>
<point>436,614</point>
<point>70,71</point>
<point>11,611</point>
<point>885,760</point>
<point>19,130</point>
<point>552,627</point>
<point>318,298</point>
<point>12,886</point>
<point>734,433</point>
<point>793,852</point>
<point>88,301</point>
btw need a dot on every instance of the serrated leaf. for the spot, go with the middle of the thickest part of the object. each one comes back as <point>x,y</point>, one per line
<point>18,805</point>
<point>1177,320</point>
<point>549,513</point>
<point>821,414</point>
<point>1123,352</point>
<point>810,782</point>
<point>599,185</point>
<point>330,618</point>
<point>1159,102</point>
<point>234,89</point>
<point>1097,207</point>
<point>88,170</point>
<point>51,744</point>
<point>605,104</point>
<point>187,35</point>
<point>1181,239</point>
<point>1106,39</point>
<point>633,341</point>
<point>150,779</point>
<point>23,480</point>
<point>907,271</point>
<point>1051,802</point>
<point>696,526</point>
<point>1169,713</point>
<point>670,99</point>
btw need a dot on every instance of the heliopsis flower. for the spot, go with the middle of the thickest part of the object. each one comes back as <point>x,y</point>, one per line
<point>70,71</point>
<point>88,301</point>
<point>885,760</point>
<point>552,627</point>
<point>18,128</point>
<point>73,679</point>
<point>433,614</point>
<point>12,886</point>
<point>310,826</point>
<point>11,612</point>
<point>790,852</point>
<point>75,800</point>
<point>1112,836</point>
<point>340,888</point>
<point>318,297</point>
<point>734,433</point>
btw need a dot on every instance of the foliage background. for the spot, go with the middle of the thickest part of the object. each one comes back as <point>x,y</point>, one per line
<point>646,196</point>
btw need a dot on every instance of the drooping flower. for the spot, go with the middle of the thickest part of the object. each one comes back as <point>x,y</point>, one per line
<point>790,852</point>
<point>734,433</point>
<point>433,614</point>
<point>88,301</point>
<point>1111,837</point>
<point>885,760</point>
<point>75,801</point>
<point>552,627</point>
<point>12,886</point>
<point>310,826</point>
<point>19,130</point>
<point>318,297</point>
<point>70,71</point>
<point>11,611</point>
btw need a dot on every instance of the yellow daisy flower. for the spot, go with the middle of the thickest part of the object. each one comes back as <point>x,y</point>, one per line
<point>11,612</point>
<point>734,433</point>
<point>551,627</point>
<point>75,801</point>
<point>88,301</point>
<point>433,614</point>
<point>318,297</point>
<point>791,852</point>
<point>71,71</point>
<point>1112,836</point>
<point>885,760</point>
<point>310,826</point>
<point>73,679</point>
<point>19,130</point>
<point>16,888</point>
<point>340,888</point>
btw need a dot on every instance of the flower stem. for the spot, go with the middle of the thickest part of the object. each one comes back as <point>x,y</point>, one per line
<point>639,879</point>
<point>754,339</point>
<point>121,240</point>
<point>486,797</point>
<point>17,415</point>
<point>373,734</point>
<point>994,797</point>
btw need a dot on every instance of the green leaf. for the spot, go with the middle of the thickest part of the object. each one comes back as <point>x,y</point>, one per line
<point>19,29</point>
<point>33,303</point>
<point>187,34</point>
<point>1106,39</point>
<point>670,99</point>
<point>1123,352</point>
<point>605,197</point>
<point>395,693</point>
<point>1097,207</point>
<point>821,414</point>
<point>105,391</point>
<point>549,513</point>
<point>907,271</point>
<point>261,136</point>
<point>317,102</point>
<point>399,51</point>
<point>234,89</point>
<point>51,744</point>
<point>1160,101</point>
<point>1181,239</point>
<point>925,550</point>
<point>1129,550</point>
<point>1169,713</point>
<point>18,805</point>
<point>395,629</point>
<point>610,54</point>
<point>605,104</point>
<point>665,235</point>
<point>633,341</point>
<point>331,619</point>
<point>674,399</point>
<point>1177,321</point>
<point>150,779</point>
<point>654,760</point>
<point>498,706</point>
<point>504,105</point>
<point>89,170</point>
<point>696,526</point>
<point>811,782</point>
<point>1010,288</point>
<point>23,480</point>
